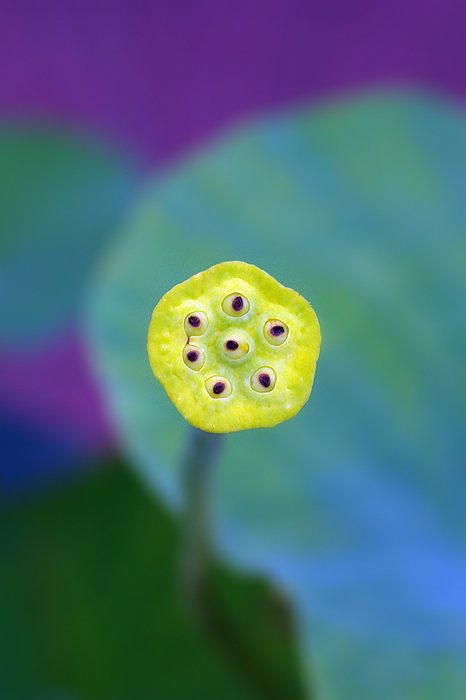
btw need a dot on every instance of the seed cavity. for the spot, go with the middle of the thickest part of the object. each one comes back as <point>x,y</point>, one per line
<point>196,323</point>
<point>218,387</point>
<point>263,380</point>
<point>235,305</point>
<point>235,346</point>
<point>193,357</point>
<point>275,331</point>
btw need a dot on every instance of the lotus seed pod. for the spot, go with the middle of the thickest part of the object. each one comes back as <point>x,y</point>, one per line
<point>234,349</point>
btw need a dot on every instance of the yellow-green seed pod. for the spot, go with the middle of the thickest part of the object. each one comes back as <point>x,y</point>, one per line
<point>234,349</point>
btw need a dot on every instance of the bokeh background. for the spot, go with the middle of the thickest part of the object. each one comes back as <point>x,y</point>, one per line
<point>139,143</point>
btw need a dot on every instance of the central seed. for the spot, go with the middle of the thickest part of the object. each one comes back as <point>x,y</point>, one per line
<point>194,321</point>
<point>231,345</point>
<point>264,379</point>
<point>277,330</point>
<point>237,303</point>
<point>192,355</point>
<point>218,388</point>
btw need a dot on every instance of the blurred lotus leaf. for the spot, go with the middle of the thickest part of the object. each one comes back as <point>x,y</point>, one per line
<point>62,194</point>
<point>355,506</point>
<point>84,609</point>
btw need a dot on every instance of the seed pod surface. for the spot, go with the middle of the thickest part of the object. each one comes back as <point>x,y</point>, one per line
<point>240,320</point>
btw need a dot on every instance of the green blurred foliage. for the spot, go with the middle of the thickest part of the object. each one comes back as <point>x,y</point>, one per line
<point>62,195</point>
<point>90,604</point>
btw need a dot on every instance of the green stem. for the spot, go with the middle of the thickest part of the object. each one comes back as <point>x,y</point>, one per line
<point>199,459</point>
<point>196,566</point>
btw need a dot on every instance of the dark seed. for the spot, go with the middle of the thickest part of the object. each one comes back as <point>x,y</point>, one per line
<point>192,355</point>
<point>231,345</point>
<point>264,379</point>
<point>194,321</point>
<point>218,387</point>
<point>277,330</point>
<point>237,303</point>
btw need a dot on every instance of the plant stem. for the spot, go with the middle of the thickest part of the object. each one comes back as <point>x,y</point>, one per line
<point>199,459</point>
<point>196,566</point>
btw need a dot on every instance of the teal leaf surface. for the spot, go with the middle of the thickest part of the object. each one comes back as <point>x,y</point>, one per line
<point>356,506</point>
<point>62,194</point>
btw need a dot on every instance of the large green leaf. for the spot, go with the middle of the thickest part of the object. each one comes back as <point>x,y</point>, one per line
<point>90,604</point>
<point>356,505</point>
<point>61,196</point>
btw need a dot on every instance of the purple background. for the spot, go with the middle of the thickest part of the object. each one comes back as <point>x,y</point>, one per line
<point>160,77</point>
